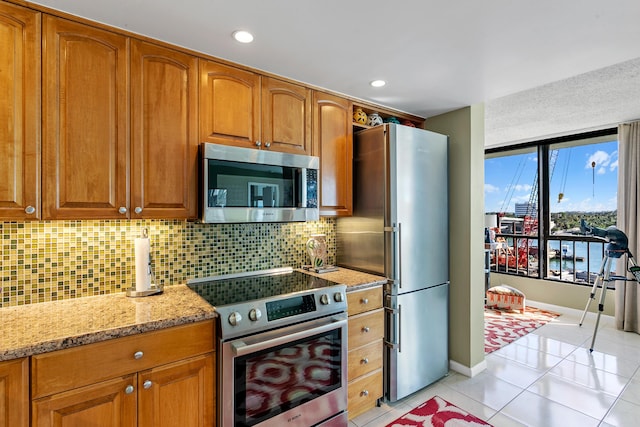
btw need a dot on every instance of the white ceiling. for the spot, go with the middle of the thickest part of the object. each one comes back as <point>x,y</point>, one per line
<point>437,56</point>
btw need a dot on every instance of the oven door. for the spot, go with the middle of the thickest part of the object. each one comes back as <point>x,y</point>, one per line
<point>292,376</point>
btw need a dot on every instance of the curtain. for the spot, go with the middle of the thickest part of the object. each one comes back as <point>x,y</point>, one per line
<point>627,295</point>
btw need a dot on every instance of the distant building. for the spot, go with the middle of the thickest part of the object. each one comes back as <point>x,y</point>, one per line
<point>523,209</point>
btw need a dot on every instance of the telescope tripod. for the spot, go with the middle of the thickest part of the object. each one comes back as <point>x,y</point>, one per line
<point>603,278</point>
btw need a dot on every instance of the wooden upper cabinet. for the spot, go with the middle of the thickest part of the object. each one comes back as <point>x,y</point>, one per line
<point>19,113</point>
<point>164,132</point>
<point>84,141</point>
<point>333,143</point>
<point>286,116</point>
<point>229,105</point>
<point>245,109</point>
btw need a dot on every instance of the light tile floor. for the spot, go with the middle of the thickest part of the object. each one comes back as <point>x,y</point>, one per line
<point>547,378</point>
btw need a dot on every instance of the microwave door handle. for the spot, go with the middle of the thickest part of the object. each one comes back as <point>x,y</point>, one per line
<point>303,188</point>
<point>240,348</point>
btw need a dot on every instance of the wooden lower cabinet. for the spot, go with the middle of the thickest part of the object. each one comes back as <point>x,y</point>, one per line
<point>14,393</point>
<point>366,335</point>
<point>109,403</point>
<point>155,379</point>
<point>179,394</point>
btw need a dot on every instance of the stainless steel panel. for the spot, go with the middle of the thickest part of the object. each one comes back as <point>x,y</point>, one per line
<point>418,208</point>
<point>252,155</point>
<point>417,351</point>
<point>360,238</point>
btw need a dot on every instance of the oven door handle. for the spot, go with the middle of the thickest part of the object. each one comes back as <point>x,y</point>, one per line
<point>240,348</point>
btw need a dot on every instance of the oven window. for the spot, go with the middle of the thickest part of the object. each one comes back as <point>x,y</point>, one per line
<point>278,379</point>
<point>248,185</point>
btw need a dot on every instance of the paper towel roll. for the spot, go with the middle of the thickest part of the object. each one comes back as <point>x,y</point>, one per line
<point>143,264</point>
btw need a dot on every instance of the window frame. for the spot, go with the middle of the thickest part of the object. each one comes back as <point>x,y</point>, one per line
<point>542,149</point>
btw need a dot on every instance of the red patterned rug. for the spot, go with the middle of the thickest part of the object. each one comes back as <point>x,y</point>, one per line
<point>502,327</point>
<point>437,412</point>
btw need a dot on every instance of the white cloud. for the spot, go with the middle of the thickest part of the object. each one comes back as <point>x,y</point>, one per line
<point>488,188</point>
<point>613,166</point>
<point>522,187</point>
<point>602,160</point>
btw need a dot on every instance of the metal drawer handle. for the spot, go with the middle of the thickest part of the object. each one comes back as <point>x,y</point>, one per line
<point>122,210</point>
<point>364,361</point>
<point>30,210</point>
<point>147,384</point>
<point>129,389</point>
<point>364,393</point>
<point>365,329</point>
<point>364,301</point>
<point>267,144</point>
<point>138,355</point>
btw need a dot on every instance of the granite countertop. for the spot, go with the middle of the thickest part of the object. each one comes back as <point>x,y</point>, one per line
<point>43,327</point>
<point>355,280</point>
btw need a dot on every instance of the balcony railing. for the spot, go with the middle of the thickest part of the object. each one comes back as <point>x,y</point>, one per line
<point>567,258</point>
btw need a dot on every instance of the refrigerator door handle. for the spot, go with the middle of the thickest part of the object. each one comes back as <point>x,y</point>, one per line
<point>396,255</point>
<point>399,262</point>
<point>391,313</point>
<point>395,327</point>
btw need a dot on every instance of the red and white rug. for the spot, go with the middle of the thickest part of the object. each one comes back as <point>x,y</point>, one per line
<point>437,412</point>
<point>502,327</point>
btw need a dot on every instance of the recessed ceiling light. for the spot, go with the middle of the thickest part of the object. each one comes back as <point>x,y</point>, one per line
<point>378,83</point>
<point>243,36</point>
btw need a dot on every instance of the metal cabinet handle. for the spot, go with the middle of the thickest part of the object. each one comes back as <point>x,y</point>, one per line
<point>122,210</point>
<point>138,210</point>
<point>365,329</point>
<point>364,361</point>
<point>138,355</point>
<point>267,144</point>
<point>258,143</point>
<point>147,384</point>
<point>129,389</point>
<point>30,210</point>
<point>364,393</point>
<point>364,301</point>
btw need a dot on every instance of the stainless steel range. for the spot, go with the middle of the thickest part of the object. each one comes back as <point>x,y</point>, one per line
<point>282,350</point>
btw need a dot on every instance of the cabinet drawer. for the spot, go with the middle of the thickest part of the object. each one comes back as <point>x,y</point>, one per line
<point>365,359</point>
<point>363,393</point>
<point>364,300</point>
<point>366,328</point>
<point>74,367</point>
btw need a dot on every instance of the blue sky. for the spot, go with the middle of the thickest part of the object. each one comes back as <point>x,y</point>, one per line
<point>585,188</point>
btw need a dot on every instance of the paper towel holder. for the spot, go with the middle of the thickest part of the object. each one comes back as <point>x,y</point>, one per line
<point>153,289</point>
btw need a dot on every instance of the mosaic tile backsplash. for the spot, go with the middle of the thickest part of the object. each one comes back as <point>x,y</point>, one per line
<point>53,260</point>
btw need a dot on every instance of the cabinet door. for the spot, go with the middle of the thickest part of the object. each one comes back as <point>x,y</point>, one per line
<point>105,404</point>
<point>84,121</point>
<point>19,113</point>
<point>164,141</point>
<point>14,393</point>
<point>229,105</point>
<point>333,143</point>
<point>286,116</point>
<point>179,394</point>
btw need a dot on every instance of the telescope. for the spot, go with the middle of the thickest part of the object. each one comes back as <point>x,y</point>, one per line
<point>618,245</point>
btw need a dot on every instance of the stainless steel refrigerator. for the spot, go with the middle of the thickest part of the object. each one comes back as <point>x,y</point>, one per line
<point>400,229</point>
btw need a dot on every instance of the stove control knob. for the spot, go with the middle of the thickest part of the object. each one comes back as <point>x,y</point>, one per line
<point>235,318</point>
<point>338,297</point>
<point>255,314</point>
<point>324,299</point>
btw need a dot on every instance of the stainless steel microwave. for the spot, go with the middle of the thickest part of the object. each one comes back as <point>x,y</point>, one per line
<point>250,185</point>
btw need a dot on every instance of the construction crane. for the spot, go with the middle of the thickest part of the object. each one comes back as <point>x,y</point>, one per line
<point>530,222</point>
